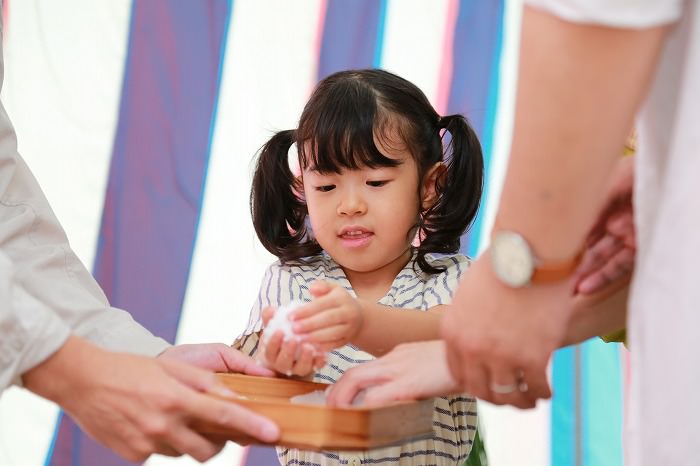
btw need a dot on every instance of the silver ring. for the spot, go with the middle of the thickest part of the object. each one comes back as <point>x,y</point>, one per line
<point>504,389</point>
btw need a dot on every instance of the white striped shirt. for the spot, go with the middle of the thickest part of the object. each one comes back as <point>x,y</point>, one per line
<point>454,419</point>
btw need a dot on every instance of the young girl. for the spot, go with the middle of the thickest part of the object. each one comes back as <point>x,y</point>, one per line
<point>375,180</point>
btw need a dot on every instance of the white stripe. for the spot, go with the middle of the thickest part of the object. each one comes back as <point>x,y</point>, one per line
<point>413,42</point>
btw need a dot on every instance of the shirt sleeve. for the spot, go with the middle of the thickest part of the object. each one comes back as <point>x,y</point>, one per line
<point>441,287</point>
<point>27,337</point>
<point>613,13</point>
<point>54,293</point>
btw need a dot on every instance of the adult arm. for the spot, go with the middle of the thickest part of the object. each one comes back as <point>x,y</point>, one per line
<point>578,88</point>
<point>137,405</point>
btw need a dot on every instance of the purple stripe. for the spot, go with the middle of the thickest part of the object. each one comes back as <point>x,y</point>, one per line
<point>351,35</point>
<point>156,178</point>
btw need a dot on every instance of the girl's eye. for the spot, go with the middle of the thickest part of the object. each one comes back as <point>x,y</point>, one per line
<point>325,188</point>
<point>377,184</point>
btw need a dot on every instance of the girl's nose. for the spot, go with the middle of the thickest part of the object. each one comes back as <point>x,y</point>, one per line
<point>352,204</point>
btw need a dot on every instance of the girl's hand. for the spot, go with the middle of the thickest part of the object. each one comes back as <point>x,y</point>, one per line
<point>331,320</point>
<point>290,357</point>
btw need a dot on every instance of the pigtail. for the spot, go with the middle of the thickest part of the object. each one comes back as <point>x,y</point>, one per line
<point>458,192</point>
<point>276,205</point>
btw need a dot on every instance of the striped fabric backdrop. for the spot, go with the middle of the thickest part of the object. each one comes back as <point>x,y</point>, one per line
<point>140,120</point>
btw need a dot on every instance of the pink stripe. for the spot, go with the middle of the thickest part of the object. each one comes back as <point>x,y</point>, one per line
<point>323,6</point>
<point>445,81</point>
<point>5,19</point>
<point>244,457</point>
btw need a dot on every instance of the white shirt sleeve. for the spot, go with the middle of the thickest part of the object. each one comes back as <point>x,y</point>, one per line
<point>29,333</point>
<point>614,13</point>
<point>47,293</point>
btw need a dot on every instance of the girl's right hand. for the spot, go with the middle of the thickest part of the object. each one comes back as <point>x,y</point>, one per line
<point>290,357</point>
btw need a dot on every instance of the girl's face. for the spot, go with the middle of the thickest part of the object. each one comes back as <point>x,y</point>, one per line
<point>364,218</point>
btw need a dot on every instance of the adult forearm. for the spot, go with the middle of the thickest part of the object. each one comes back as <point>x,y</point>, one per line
<point>563,150</point>
<point>385,327</point>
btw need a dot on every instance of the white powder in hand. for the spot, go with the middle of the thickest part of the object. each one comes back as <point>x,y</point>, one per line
<point>280,322</point>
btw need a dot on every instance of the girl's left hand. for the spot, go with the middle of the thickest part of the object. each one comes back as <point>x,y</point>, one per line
<point>331,320</point>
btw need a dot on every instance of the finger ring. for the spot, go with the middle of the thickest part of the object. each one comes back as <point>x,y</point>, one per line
<point>503,389</point>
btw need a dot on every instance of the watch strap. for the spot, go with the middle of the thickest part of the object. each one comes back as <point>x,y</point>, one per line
<point>556,271</point>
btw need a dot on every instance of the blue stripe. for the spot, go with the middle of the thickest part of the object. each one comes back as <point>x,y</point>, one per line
<point>54,437</point>
<point>379,41</point>
<point>563,416</point>
<point>155,188</point>
<point>602,404</point>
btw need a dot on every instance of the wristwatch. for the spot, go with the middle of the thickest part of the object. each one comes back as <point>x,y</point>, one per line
<point>516,265</point>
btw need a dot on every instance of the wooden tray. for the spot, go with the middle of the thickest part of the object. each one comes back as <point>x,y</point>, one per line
<point>317,427</point>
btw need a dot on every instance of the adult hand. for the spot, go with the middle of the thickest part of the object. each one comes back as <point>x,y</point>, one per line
<point>138,406</point>
<point>499,339</point>
<point>216,357</point>
<point>331,320</point>
<point>410,371</point>
<point>611,244</point>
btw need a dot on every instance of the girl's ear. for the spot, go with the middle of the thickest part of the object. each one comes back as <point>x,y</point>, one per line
<point>433,179</point>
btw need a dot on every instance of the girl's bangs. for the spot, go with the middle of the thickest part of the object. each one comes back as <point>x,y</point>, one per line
<point>343,137</point>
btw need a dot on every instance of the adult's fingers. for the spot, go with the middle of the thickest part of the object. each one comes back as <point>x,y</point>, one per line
<point>231,416</point>
<point>475,378</point>
<point>617,266</point>
<point>537,385</point>
<point>384,394</point>
<point>508,386</point>
<point>193,377</point>
<point>344,391</point>
<point>184,441</point>
<point>236,361</point>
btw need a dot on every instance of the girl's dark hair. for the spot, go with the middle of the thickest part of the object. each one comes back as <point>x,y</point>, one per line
<point>347,112</point>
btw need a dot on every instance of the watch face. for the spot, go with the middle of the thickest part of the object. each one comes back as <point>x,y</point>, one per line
<point>512,259</point>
